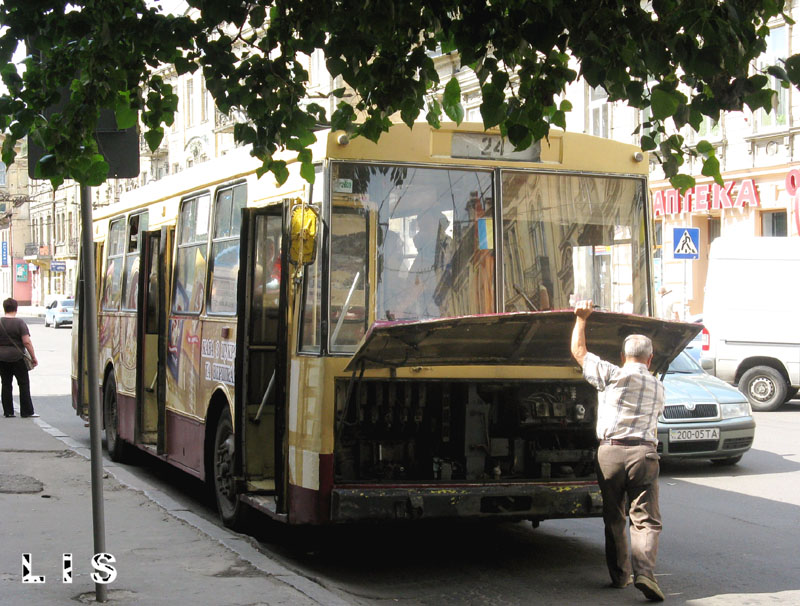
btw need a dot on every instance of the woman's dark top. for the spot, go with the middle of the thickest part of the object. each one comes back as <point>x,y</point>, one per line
<point>15,329</point>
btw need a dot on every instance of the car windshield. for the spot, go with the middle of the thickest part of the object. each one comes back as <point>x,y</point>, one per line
<point>684,364</point>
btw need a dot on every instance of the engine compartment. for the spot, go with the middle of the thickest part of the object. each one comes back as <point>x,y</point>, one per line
<point>395,431</point>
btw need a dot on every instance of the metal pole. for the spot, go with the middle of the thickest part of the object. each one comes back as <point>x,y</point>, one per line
<point>88,319</point>
<point>685,282</point>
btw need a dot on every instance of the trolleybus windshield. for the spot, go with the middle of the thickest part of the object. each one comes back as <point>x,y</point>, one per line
<point>564,237</point>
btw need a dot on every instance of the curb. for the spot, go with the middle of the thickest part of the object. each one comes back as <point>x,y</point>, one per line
<point>240,544</point>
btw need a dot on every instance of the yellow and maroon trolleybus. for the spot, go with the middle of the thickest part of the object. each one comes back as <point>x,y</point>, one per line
<point>391,342</point>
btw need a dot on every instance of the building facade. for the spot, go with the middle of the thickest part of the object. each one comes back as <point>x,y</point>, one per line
<point>14,229</point>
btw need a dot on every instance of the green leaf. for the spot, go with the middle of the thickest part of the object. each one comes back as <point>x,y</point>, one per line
<point>792,65</point>
<point>307,171</point>
<point>280,171</point>
<point>711,167</point>
<point>648,143</point>
<point>493,108</point>
<point>154,137</point>
<point>451,102</point>
<point>127,117</point>
<point>98,171</point>
<point>682,182</point>
<point>760,99</point>
<point>705,148</point>
<point>778,72</point>
<point>664,103</point>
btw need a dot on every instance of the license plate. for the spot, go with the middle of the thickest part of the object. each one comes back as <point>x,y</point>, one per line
<point>688,435</point>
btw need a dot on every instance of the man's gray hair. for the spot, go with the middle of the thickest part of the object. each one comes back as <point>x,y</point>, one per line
<point>638,347</point>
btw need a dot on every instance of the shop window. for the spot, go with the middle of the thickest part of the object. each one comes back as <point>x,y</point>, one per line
<point>659,238</point>
<point>773,223</point>
<point>714,228</point>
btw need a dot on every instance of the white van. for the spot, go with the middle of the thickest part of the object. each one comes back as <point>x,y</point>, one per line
<point>751,314</point>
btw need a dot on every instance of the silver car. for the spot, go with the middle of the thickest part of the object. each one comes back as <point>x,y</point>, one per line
<point>704,417</point>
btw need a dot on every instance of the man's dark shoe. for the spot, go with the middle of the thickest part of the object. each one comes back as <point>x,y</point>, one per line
<point>9,416</point>
<point>34,416</point>
<point>649,588</point>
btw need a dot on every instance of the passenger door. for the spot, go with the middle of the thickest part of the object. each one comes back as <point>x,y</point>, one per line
<point>80,373</point>
<point>150,331</point>
<point>261,352</point>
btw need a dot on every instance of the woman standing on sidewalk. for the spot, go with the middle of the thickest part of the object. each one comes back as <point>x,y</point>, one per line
<point>14,336</point>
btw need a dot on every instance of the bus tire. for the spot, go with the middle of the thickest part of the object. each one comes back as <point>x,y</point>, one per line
<point>231,510</point>
<point>117,449</point>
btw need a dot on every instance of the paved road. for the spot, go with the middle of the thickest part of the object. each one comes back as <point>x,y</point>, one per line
<point>731,534</point>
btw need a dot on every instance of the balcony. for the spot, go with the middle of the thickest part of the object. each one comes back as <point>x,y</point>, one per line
<point>34,250</point>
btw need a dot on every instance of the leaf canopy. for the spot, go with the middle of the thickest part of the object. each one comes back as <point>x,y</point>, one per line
<point>684,59</point>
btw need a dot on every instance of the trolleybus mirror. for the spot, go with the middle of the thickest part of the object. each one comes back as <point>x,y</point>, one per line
<point>303,227</point>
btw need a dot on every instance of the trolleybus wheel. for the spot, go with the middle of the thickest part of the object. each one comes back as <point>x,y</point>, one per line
<point>117,449</point>
<point>231,510</point>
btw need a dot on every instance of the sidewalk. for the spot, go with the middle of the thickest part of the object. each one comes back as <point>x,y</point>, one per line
<point>30,311</point>
<point>164,553</point>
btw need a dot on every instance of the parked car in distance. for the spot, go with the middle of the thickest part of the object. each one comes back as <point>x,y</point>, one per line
<point>59,312</point>
<point>704,417</point>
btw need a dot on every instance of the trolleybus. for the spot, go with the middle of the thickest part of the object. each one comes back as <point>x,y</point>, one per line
<point>391,342</point>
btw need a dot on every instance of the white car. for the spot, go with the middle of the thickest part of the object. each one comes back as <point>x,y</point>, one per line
<point>59,312</point>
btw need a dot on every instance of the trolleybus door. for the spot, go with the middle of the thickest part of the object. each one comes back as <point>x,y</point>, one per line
<point>150,383</point>
<point>260,351</point>
<point>80,396</point>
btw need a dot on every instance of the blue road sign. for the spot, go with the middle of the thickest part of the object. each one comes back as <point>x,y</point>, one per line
<point>687,242</point>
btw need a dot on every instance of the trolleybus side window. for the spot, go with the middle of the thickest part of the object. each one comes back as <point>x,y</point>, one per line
<point>190,270</point>
<point>348,277</point>
<point>137,225</point>
<point>225,249</point>
<point>573,236</point>
<point>310,333</point>
<point>112,283</point>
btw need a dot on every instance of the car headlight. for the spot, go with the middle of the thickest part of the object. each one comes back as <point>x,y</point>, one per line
<point>732,410</point>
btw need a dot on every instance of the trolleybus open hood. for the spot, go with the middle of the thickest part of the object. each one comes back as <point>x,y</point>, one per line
<point>527,338</point>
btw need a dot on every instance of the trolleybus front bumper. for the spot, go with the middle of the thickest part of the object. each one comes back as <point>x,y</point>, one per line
<point>533,500</point>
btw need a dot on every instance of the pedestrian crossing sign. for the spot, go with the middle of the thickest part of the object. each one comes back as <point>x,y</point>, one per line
<point>687,242</point>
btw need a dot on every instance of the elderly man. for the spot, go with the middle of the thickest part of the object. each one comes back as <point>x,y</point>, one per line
<point>630,399</point>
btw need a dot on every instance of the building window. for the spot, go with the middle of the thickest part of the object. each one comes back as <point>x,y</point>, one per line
<point>776,51</point>
<point>773,223</point>
<point>2,174</point>
<point>203,101</point>
<point>190,102</point>
<point>709,128</point>
<point>598,113</point>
